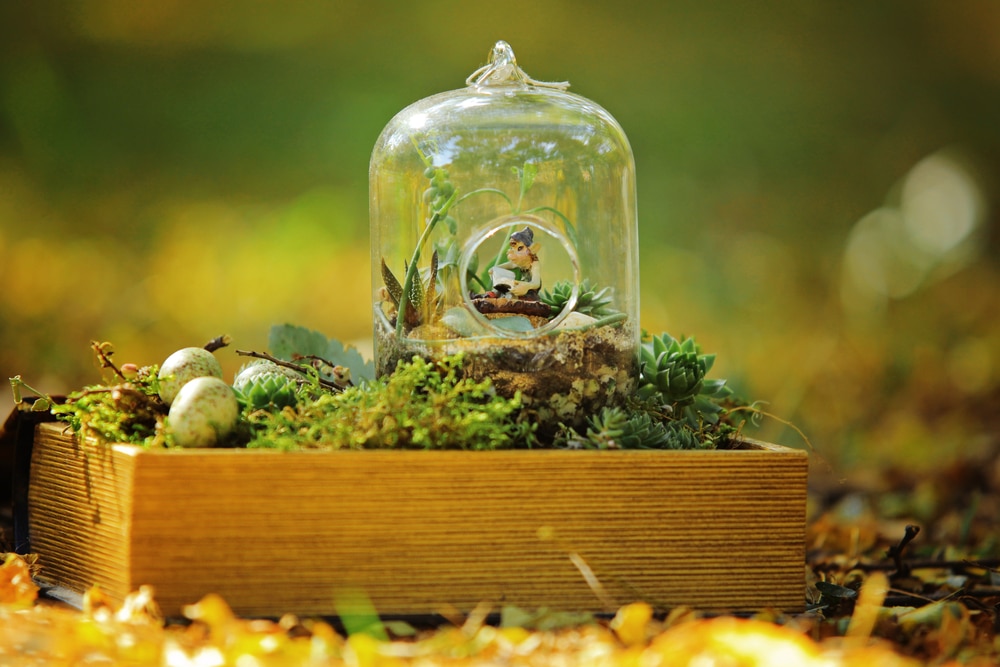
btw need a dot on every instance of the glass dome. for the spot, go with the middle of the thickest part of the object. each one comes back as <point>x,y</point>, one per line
<point>503,226</point>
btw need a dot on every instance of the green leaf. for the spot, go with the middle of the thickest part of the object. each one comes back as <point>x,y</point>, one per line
<point>569,228</point>
<point>542,619</point>
<point>660,344</point>
<point>829,590</point>
<point>515,323</point>
<point>416,296</point>
<point>528,173</point>
<point>358,614</point>
<point>41,404</point>
<point>391,284</point>
<point>480,191</point>
<point>712,387</point>
<point>460,321</point>
<point>708,360</point>
<point>285,341</point>
<point>400,628</point>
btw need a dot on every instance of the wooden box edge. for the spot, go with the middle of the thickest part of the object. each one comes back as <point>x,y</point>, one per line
<point>780,585</point>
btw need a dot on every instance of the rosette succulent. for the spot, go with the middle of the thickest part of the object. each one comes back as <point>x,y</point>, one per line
<point>675,370</point>
<point>614,428</point>
<point>266,385</point>
<point>589,301</point>
<point>619,428</point>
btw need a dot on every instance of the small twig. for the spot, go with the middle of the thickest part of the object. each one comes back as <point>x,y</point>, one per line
<point>41,402</point>
<point>320,364</point>
<point>763,413</point>
<point>547,534</point>
<point>963,565</point>
<point>326,384</point>
<point>104,353</point>
<point>592,581</point>
<point>904,599</point>
<point>218,342</point>
<point>896,552</point>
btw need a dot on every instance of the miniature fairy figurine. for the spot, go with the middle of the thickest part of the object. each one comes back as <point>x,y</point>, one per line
<point>519,277</point>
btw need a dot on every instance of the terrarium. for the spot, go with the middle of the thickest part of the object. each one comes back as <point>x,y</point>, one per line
<point>503,226</point>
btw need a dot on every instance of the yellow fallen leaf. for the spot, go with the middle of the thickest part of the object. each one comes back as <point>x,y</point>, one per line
<point>631,623</point>
<point>733,641</point>
<point>16,585</point>
<point>869,605</point>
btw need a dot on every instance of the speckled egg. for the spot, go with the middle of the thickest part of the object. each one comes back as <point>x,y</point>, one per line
<point>203,413</point>
<point>183,366</point>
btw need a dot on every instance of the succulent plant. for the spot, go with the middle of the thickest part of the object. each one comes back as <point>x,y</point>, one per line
<point>589,301</point>
<point>621,428</point>
<point>681,436</point>
<point>615,428</point>
<point>422,301</point>
<point>675,370</point>
<point>266,385</point>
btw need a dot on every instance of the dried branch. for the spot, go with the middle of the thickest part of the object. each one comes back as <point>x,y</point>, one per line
<point>341,373</point>
<point>218,342</point>
<point>964,565</point>
<point>326,384</point>
<point>896,552</point>
<point>104,352</point>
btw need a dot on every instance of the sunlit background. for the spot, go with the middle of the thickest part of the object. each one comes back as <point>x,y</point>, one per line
<point>817,185</point>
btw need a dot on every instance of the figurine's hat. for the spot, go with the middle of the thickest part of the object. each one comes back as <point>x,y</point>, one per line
<point>525,236</point>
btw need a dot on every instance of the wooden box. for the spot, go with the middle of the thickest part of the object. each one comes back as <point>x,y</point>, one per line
<point>421,532</point>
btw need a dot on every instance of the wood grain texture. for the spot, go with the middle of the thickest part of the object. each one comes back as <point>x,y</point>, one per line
<point>421,532</point>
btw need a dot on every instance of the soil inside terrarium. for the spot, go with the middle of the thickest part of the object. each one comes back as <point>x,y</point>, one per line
<point>562,377</point>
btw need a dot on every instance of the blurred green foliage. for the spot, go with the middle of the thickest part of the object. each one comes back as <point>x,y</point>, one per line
<point>175,170</point>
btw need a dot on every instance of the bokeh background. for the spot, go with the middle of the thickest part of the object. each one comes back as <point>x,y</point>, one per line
<point>817,183</point>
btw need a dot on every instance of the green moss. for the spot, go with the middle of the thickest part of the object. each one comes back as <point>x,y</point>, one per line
<point>422,405</point>
<point>433,405</point>
<point>129,412</point>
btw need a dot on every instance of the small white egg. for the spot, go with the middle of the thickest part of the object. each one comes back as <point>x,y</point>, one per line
<point>183,366</point>
<point>203,413</point>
